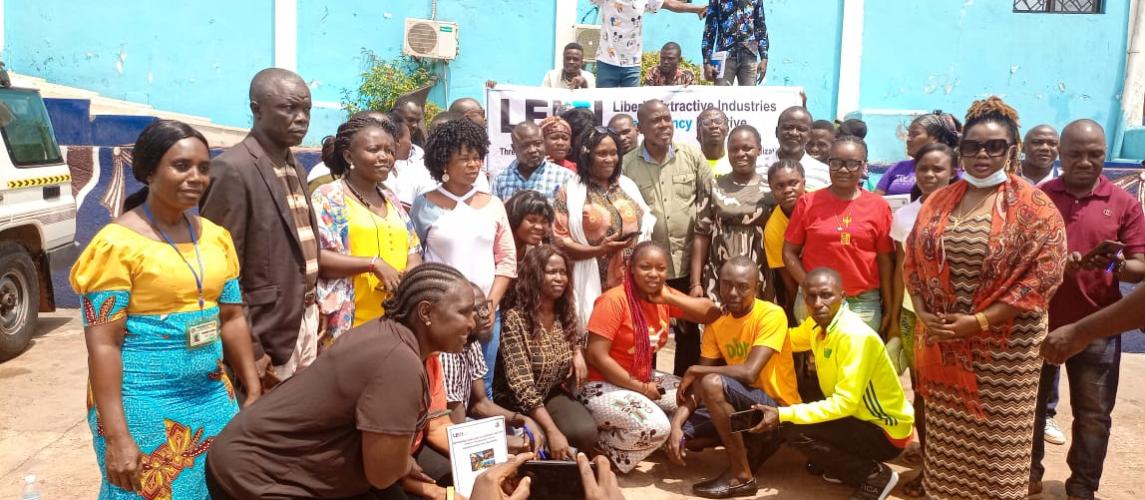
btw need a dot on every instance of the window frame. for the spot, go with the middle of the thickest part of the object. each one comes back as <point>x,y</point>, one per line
<point>1099,8</point>
<point>33,96</point>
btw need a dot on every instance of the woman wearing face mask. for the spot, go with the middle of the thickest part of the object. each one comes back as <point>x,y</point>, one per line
<point>932,128</point>
<point>531,218</point>
<point>162,313</point>
<point>731,217</point>
<point>847,229</point>
<point>933,171</point>
<point>558,141</point>
<point>628,399</point>
<point>600,216</point>
<point>982,262</point>
<point>460,226</point>
<point>367,239</point>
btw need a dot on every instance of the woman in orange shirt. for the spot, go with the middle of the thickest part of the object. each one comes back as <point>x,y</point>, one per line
<point>626,396</point>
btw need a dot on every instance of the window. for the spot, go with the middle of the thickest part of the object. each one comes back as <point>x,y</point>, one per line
<point>1059,6</point>
<point>26,130</point>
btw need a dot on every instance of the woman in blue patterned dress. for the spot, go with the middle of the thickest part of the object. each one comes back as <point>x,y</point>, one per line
<point>162,312</point>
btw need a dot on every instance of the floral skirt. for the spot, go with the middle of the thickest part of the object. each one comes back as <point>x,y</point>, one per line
<point>630,425</point>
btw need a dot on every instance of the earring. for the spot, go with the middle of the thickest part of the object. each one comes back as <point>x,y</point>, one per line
<point>349,166</point>
<point>444,178</point>
<point>427,323</point>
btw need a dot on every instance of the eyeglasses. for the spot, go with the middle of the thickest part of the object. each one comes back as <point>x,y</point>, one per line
<point>993,147</point>
<point>848,165</point>
<point>605,130</point>
<point>713,122</point>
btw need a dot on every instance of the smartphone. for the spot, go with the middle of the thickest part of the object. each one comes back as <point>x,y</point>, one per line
<point>554,479</point>
<point>744,420</point>
<point>1107,247</point>
<point>662,390</point>
<point>628,236</point>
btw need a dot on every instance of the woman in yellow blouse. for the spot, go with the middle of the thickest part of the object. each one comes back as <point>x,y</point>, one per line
<point>162,311</point>
<point>367,238</point>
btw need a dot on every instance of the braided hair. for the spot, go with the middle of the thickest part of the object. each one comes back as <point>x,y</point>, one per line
<point>943,127</point>
<point>641,344</point>
<point>448,139</point>
<point>428,282</point>
<point>994,110</point>
<point>334,147</point>
<point>851,139</point>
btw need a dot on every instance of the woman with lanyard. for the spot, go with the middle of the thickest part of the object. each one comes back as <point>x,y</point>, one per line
<point>846,228</point>
<point>162,315</point>
<point>601,215</point>
<point>465,228</point>
<point>367,239</point>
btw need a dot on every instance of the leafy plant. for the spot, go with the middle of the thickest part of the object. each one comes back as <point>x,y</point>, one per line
<point>652,59</point>
<point>385,80</point>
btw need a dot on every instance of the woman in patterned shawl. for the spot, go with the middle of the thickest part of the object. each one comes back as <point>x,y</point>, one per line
<point>984,258</point>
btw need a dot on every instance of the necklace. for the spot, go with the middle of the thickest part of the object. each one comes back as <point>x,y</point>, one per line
<point>964,215</point>
<point>365,202</point>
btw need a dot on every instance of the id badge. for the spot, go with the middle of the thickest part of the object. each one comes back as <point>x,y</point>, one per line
<point>202,331</point>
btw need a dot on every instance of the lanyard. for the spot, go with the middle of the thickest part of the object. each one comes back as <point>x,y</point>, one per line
<point>191,229</point>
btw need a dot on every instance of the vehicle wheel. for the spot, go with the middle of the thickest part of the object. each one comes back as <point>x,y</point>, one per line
<point>19,299</point>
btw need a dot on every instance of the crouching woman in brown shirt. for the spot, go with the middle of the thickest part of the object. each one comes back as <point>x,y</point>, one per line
<point>343,428</point>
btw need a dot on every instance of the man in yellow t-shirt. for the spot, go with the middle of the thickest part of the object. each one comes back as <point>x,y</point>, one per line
<point>750,341</point>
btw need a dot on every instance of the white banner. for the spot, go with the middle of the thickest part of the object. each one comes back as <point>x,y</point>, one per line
<point>508,105</point>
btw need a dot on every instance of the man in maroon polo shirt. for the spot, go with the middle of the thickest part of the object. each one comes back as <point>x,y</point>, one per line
<point>1095,211</point>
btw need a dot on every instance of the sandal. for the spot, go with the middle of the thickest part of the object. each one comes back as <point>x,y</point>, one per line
<point>913,454</point>
<point>914,488</point>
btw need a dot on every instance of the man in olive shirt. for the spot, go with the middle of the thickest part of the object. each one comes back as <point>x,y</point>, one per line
<point>671,176</point>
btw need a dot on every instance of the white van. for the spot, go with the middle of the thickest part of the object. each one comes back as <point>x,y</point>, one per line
<point>37,216</point>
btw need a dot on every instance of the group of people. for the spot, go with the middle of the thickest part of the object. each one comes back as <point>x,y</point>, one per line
<point>313,335</point>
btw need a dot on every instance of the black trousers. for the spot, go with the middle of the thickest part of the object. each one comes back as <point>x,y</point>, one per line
<point>687,336</point>
<point>394,492</point>
<point>848,448</point>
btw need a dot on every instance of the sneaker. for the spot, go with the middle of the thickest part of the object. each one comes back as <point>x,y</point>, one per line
<point>1054,434</point>
<point>878,485</point>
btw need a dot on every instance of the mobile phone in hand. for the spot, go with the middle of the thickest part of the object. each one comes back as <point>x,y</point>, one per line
<point>1107,247</point>
<point>744,420</point>
<point>630,235</point>
<point>554,479</point>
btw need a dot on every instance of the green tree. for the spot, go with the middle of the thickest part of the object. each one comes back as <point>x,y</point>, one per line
<point>384,80</point>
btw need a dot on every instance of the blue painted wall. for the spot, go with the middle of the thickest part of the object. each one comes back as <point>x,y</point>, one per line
<point>1053,68</point>
<point>804,38</point>
<point>504,40</point>
<point>190,57</point>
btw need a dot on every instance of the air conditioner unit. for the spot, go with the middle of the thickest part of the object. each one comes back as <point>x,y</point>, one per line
<point>588,36</point>
<point>430,39</point>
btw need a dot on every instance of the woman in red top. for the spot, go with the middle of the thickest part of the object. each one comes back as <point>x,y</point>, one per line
<point>627,398</point>
<point>847,229</point>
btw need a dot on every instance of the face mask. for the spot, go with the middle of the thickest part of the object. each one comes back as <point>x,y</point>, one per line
<point>994,179</point>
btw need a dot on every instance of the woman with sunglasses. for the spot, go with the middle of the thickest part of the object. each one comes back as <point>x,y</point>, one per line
<point>984,258</point>
<point>600,216</point>
<point>847,229</point>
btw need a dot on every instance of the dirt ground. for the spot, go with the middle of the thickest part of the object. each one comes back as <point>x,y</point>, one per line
<point>43,430</point>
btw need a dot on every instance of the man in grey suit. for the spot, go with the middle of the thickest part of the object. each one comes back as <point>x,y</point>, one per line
<point>258,193</point>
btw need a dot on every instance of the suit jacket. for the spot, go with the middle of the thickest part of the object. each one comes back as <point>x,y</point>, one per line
<point>247,198</point>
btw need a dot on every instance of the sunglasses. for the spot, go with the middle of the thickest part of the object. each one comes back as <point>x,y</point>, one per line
<point>994,147</point>
<point>605,130</point>
<point>848,165</point>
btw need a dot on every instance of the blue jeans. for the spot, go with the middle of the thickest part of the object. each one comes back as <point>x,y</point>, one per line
<point>741,397</point>
<point>609,76</point>
<point>489,350</point>
<point>868,306</point>
<point>1093,375</point>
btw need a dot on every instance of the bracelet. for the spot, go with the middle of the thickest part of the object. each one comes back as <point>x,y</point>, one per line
<point>513,420</point>
<point>694,285</point>
<point>983,323</point>
<point>372,262</point>
<point>450,493</point>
